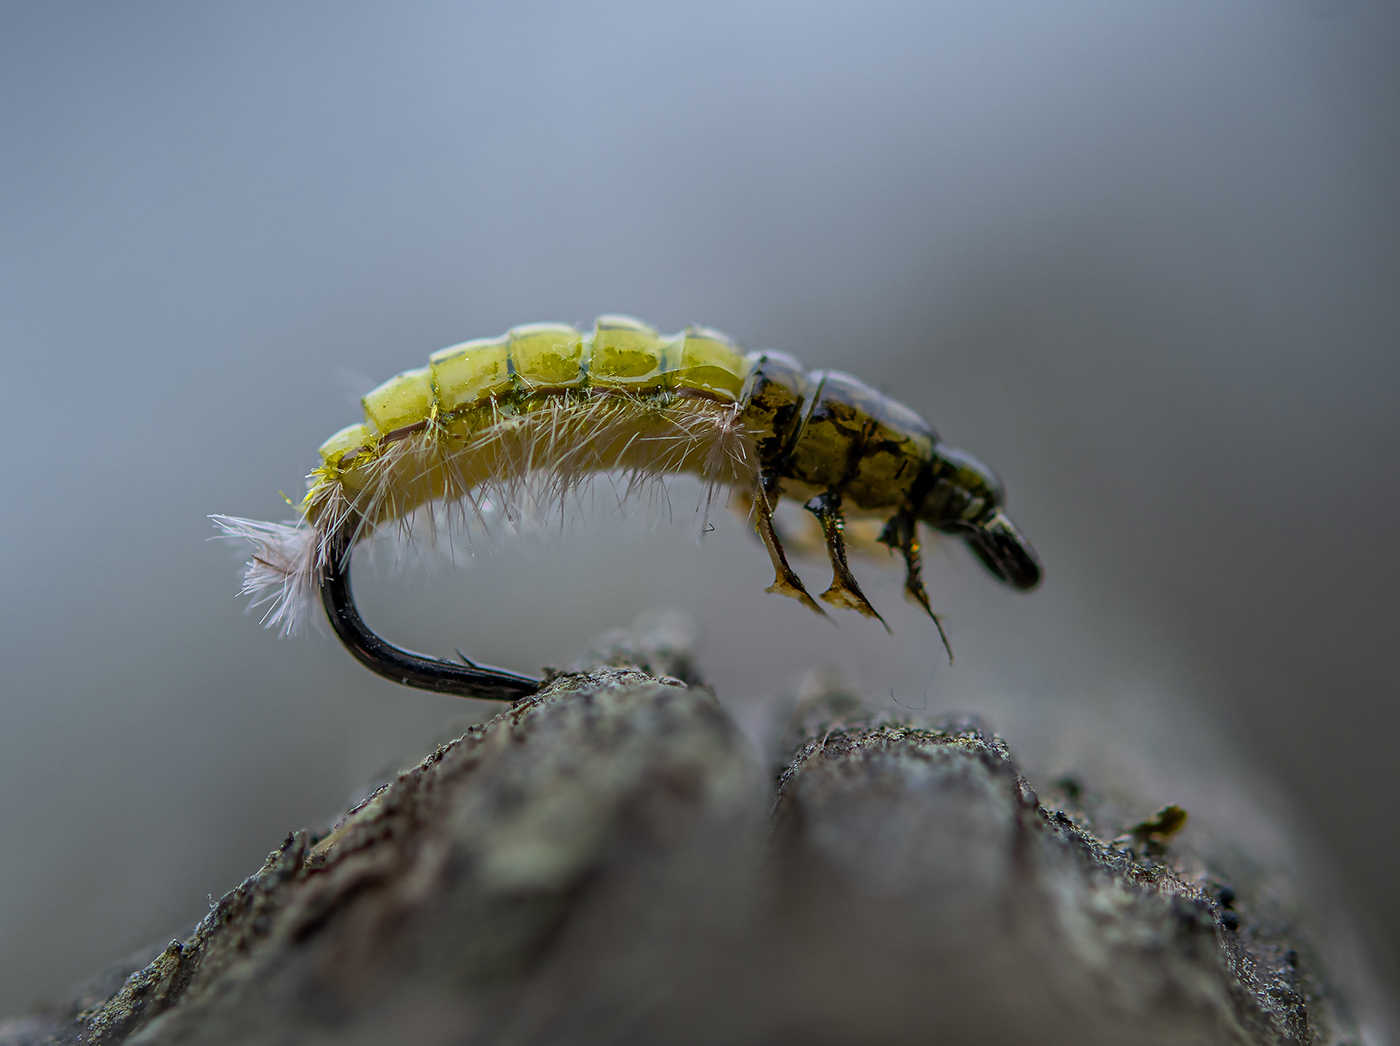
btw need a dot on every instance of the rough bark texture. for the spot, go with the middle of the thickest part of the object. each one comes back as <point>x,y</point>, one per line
<point>606,862</point>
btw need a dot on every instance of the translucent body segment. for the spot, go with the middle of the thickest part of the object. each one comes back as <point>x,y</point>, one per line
<point>775,404</point>
<point>626,354</point>
<point>473,371</point>
<point>405,399</point>
<point>707,361</point>
<point>860,443</point>
<point>897,444</point>
<point>548,356</point>
<point>825,453</point>
<point>341,466</point>
<point>896,417</point>
<point>965,489</point>
<point>350,438</point>
<point>387,485</point>
<point>344,471</point>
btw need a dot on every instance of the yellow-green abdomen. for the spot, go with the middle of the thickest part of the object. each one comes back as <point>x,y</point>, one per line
<point>469,388</point>
<point>619,355</point>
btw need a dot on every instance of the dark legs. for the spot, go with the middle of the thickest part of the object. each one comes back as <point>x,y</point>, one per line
<point>785,580</point>
<point>403,666</point>
<point>844,590</point>
<point>902,533</point>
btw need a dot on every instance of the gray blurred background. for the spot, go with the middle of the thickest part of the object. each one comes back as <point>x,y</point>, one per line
<point>1142,258</point>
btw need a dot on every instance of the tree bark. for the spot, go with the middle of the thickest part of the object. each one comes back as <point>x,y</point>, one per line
<point>609,861</point>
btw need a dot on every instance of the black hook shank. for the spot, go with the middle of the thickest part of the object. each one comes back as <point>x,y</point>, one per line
<point>404,666</point>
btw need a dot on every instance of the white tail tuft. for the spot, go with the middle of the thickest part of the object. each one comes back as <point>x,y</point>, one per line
<point>284,572</point>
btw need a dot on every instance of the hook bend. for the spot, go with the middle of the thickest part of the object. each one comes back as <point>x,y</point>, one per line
<point>404,666</point>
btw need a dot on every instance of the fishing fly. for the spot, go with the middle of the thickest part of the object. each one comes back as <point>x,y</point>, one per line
<point>546,406</point>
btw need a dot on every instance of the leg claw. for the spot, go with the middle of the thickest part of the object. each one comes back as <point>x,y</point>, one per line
<point>902,533</point>
<point>785,581</point>
<point>845,590</point>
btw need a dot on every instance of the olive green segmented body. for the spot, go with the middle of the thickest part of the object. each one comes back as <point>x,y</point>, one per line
<point>825,431</point>
<point>816,431</point>
<point>551,401</point>
<point>634,396</point>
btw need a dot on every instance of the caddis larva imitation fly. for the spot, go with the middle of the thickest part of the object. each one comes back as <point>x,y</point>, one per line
<point>548,402</point>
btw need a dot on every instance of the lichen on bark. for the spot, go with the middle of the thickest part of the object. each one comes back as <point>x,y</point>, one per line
<point>610,861</point>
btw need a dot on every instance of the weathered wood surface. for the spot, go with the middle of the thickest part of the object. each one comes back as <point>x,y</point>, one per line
<point>606,862</point>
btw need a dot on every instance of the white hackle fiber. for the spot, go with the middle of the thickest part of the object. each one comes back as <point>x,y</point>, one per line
<point>284,572</point>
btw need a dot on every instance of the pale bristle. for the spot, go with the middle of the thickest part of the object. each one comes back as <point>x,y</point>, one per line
<point>283,574</point>
<point>544,459</point>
